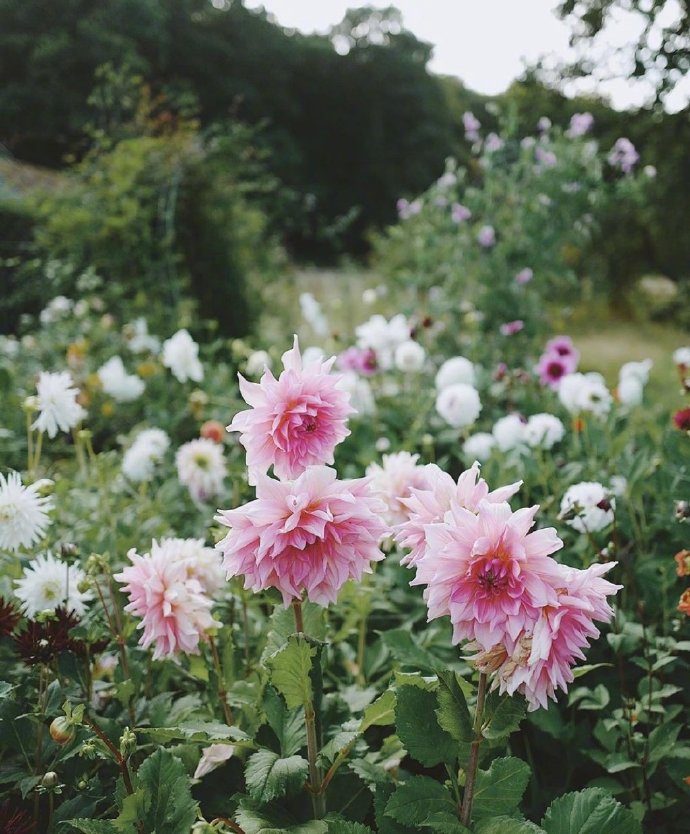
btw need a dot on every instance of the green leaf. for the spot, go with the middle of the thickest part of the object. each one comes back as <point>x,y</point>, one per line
<point>385,824</point>
<point>269,777</point>
<point>662,740</point>
<point>209,732</point>
<point>452,713</point>
<point>343,827</point>
<point>5,689</point>
<point>288,725</point>
<point>282,626</point>
<point>418,728</point>
<point>445,823</point>
<point>506,825</point>
<point>506,717</point>
<point>166,783</point>
<point>417,799</point>
<point>271,819</point>
<point>499,789</point>
<point>93,826</point>
<point>290,671</point>
<point>592,811</point>
<point>380,713</point>
<point>404,649</point>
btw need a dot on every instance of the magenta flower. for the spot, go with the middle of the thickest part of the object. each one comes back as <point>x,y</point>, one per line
<point>563,346</point>
<point>488,573</point>
<point>174,608</point>
<point>361,360</point>
<point>510,328</point>
<point>312,534</point>
<point>294,421</point>
<point>429,505</point>
<point>551,369</point>
<point>524,276</point>
<point>486,236</point>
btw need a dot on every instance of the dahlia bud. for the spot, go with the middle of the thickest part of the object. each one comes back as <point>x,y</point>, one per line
<point>213,430</point>
<point>128,743</point>
<point>61,730</point>
<point>50,779</point>
<point>682,510</point>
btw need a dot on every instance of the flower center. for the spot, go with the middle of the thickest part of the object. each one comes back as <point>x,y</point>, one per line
<point>493,577</point>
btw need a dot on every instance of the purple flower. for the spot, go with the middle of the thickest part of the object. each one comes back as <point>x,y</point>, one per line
<point>440,201</point>
<point>459,213</point>
<point>580,124</point>
<point>493,143</point>
<point>563,346</point>
<point>510,328</point>
<point>551,368</point>
<point>547,159</point>
<point>524,276</point>
<point>623,155</point>
<point>407,209</point>
<point>544,124</point>
<point>471,124</point>
<point>361,360</point>
<point>486,236</point>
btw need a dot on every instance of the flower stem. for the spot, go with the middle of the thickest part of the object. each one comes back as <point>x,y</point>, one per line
<point>468,795</point>
<point>222,693</point>
<point>316,785</point>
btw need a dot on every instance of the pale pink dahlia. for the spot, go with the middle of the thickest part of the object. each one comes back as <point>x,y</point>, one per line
<point>294,421</point>
<point>488,573</point>
<point>393,480</point>
<point>541,659</point>
<point>174,608</point>
<point>429,505</point>
<point>311,534</point>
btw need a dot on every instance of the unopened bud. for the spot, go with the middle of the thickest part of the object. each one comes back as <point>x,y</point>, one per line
<point>682,510</point>
<point>61,730</point>
<point>50,779</point>
<point>128,743</point>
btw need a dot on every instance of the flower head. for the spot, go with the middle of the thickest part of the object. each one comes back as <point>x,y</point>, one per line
<point>458,404</point>
<point>524,276</point>
<point>585,393</point>
<point>459,213</point>
<point>588,507</point>
<point>510,328</point>
<point>47,583</point>
<point>682,419</point>
<point>58,409</point>
<point>580,123</point>
<point>543,431</point>
<point>383,337</point>
<point>201,468</point>
<point>181,355</point>
<point>510,432</point>
<point>623,155</point>
<point>479,446</point>
<point>173,605</point>
<point>409,356</point>
<point>361,360</point>
<point>146,451</point>
<point>294,421</point>
<point>312,534</point>
<point>486,237</point>
<point>393,480</point>
<point>201,563</point>
<point>455,369</point>
<point>23,512</point>
<point>117,383</point>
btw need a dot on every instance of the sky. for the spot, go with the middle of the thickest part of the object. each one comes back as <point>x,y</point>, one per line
<point>487,43</point>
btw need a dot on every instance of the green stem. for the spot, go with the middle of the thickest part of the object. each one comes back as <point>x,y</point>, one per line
<point>468,795</point>
<point>316,786</point>
<point>222,692</point>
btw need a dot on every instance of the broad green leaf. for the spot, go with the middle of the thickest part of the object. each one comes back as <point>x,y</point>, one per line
<point>405,650</point>
<point>269,777</point>
<point>282,625</point>
<point>288,725</point>
<point>506,717</point>
<point>418,728</point>
<point>662,740</point>
<point>343,827</point>
<point>507,825</point>
<point>167,787</point>
<point>579,671</point>
<point>93,826</point>
<point>370,772</point>
<point>5,689</point>
<point>445,823</point>
<point>499,789</point>
<point>271,819</point>
<point>592,811</point>
<point>290,671</point>
<point>384,823</point>
<point>209,732</point>
<point>417,799</point>
<point>452,713</point>
<point>380,713</point>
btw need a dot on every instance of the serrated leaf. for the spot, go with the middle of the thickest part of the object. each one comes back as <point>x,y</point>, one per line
<point>380,713</point>
<point>93,826</point>
<point>288,725</point>
<point>591,811</point>
<point>269,777</point>
<point>370,772</point>
<point>445,823</point>
<point>417,799</point>
<point>385,824</point>
<point>271,819</point>
<point>282,626</point>
<point>452,712</point>
<point>418,728</point>
<point>343,827</point>
<point>662,740</point>
<point>405,650</point>
<point>290,671</point>
<point>506,717</point>
<point>499,789</point>
<point>209,732</point>
<point>165,781</point>
<point>506,825</point>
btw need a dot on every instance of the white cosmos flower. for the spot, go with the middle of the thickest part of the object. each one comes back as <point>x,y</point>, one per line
<point>459,405</point>
<point>681,357</point>
<point>257,362</point>
<point>456,369</point>
<point>201,468</point>
<point>48,583</point>
<point>630,391</point>
<point>205,564</point>
<point>57,403</point>
<point>543,431</point>
<point>23,512</point>
<point>9,346</point>
<point>359,389</point>
<point>509,432</point>
<point>181,355</point>
<point>117,383</point>
<point>393,479</point>
<point>140,459</point>
<point>636,370</point>
<point>383,337</point>
<point>313,314</point>
<point>592,504</point>
<point>409,356</point>
<point>56,309</point>
<point>140,340</point>
<point>479,446</point>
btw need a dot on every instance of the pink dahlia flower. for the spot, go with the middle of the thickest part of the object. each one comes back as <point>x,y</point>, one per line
<point>360,360</point>
<point>488,573</point>
<point>541,659</point>
<point>174,608</point>
<point>393,480</point>
<point>312,534</point>
<point>294,421</point>
<point>429,505</point>
<point>510,328</point>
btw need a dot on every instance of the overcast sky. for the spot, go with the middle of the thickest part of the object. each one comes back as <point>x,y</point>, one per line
<point>486,43</point>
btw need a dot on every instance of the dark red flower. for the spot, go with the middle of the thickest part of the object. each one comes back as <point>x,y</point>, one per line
<point>9,617</point>
<point>682,419</point>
